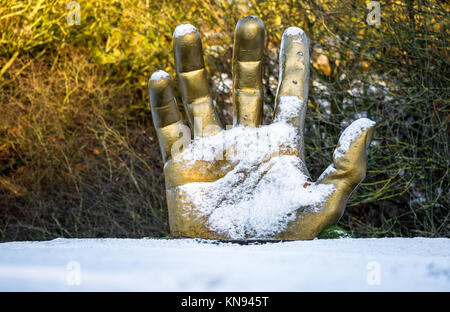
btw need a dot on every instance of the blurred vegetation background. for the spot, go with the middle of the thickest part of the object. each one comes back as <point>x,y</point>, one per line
<point>79,156</point>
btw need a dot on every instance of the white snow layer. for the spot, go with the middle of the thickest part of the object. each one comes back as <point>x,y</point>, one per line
<point>350,134</point>
<point>257,202</point>
<point>184,29</point>
<point>386,264</point>
<point>293,31</point>
<point>289,108</point>
<point>264,190</point>
<point>159,74</point>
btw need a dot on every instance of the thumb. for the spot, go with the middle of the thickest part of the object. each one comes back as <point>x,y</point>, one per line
<point>345,173</point>
<point>350,157</point>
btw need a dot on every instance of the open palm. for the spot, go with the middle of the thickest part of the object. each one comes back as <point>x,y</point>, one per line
<point>249,181</point>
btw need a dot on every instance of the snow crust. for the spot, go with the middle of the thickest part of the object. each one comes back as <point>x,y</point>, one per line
<point>330,169</point>
<point>293,31</point>
<point>350,134</point>
<point>159,75</point>
<point>184,29</point>
<point>289,108</point>
<point>257,202</point>
<point>265,188</point>
<point>384,264</point>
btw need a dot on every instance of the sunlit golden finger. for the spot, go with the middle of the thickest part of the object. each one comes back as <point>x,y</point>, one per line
<point>166,116</point>
<point>192,75</point>
<point>292,93</point>
<point>248,55</point>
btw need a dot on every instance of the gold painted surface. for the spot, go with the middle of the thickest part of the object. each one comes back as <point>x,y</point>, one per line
<point>194,85</point>
<point>248,53</point>
<point>348,171</point>
<point>294,79</point>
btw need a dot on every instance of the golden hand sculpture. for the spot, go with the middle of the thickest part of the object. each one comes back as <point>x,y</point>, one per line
<point>250,181</point>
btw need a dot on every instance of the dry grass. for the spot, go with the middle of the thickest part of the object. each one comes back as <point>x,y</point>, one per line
<point>74,164</point>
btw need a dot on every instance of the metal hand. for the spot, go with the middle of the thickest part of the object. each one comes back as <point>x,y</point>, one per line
<point>349,160</point>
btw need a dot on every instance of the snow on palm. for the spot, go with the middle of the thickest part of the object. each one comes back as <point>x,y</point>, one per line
<point>266,187</point>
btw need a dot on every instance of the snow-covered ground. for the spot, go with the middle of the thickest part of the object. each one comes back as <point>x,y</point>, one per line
<point>388,264</point>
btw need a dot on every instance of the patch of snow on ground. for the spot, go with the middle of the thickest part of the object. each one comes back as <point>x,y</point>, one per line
<point>386,264</point>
